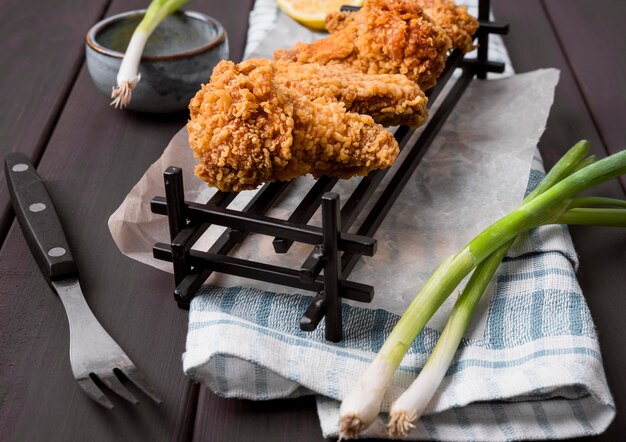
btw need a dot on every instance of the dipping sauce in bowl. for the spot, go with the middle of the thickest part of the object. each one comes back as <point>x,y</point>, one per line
<point>179,56</point>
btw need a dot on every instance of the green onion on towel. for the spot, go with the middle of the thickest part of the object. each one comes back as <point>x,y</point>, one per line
<point>552,202</point>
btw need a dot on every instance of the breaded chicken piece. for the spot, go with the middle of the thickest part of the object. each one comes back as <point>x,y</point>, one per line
<point>454,19</point>
<point>384,37</point>
<point>391,100</point>
<point>247,129</point>
<point>337,20</point>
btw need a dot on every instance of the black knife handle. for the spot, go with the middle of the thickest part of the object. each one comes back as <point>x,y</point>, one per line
<point>38,218</point>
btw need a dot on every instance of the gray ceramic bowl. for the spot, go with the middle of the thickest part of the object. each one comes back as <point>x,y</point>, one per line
<point>179,56</point>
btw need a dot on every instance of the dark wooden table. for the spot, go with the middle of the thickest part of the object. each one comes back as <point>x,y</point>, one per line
<point>91,155</point>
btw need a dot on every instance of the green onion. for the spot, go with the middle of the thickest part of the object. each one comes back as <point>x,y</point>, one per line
<point>128,76</point>
<point>586,201</point>
<point>548,204</point>
<point>584,211</point>
<point>411,404</point>
<point>594,217</point>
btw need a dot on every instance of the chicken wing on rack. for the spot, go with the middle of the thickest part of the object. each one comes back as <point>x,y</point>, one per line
<point>453,19</point>
<point>384,37</point>
<point>389,99</point>
<point>247,129</point>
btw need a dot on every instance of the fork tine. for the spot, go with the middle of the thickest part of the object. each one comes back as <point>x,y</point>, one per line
<point>92,390</point>
<point>110,380</point>
<point>140,381</point>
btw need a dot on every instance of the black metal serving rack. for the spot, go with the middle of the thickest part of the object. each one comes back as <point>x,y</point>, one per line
<point>335,252</point>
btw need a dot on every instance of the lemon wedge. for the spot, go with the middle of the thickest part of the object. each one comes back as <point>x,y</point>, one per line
<point>312,13</point>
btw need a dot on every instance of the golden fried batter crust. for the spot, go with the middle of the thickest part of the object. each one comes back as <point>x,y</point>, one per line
<point>391,100</point>
<point>247,129</point>
<point>337,20</point>
<point>454,19</point>
<point>384,37</point>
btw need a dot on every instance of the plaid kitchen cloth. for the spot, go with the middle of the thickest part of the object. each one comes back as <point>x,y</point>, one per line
<point>536,373</point>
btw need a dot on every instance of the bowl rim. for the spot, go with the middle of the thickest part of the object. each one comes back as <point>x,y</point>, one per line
<point>90,39</point>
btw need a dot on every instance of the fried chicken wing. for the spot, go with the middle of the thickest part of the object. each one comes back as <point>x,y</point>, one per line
<point>338,20</point>
<point>247,129</point>
<point>454,19</point>
<point>389,99</point>
<point>384,37</point>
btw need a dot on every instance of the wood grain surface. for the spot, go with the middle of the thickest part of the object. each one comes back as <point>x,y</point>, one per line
<point>91,155</point>
<point>597,58</point>
<point>42,52</point>
<point>602,251</point>
<point>92,158</point>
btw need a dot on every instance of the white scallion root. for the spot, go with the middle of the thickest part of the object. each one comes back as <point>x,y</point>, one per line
<point>360,407</point>
<point>400,424</point>
<point>350,427</point>
<point>122,93</point>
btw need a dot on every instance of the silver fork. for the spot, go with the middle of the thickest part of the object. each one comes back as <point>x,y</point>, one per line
<point>93,353</point>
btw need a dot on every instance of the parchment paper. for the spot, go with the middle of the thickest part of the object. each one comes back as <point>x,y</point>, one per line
<point>475,171</point>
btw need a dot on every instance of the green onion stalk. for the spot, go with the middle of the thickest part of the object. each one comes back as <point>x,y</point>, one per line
<point>549,203</point>
<point>128,76</point>
<point>412,403</point>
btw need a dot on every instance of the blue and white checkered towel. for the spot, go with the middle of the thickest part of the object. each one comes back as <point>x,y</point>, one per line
<point>534,373</point>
